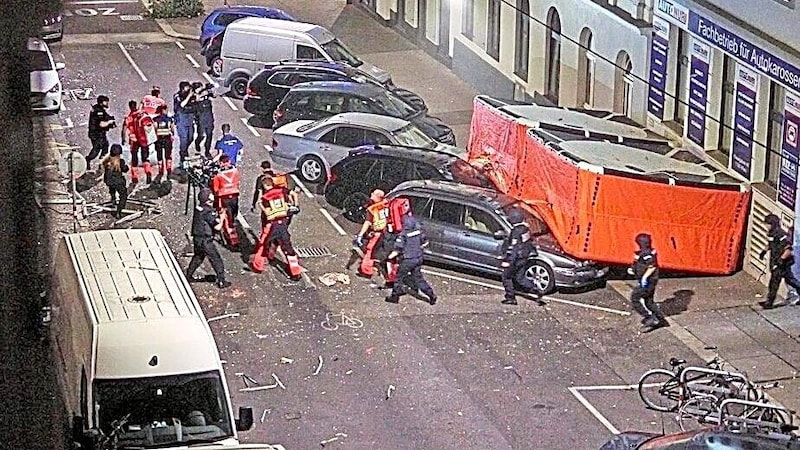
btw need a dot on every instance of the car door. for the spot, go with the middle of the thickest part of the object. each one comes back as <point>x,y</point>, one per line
<point>421,205</point>
<point>336,143</point>
<point>392,172</point>
<point>476,240</point>
<point>445,229</point>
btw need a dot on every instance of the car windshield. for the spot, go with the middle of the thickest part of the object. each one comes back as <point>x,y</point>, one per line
<point>412,136</point>
<point>338,52</point>
<point>39,61</point>
<point>393,106</point>
<point>314,124</point>
<point>537,225</point>
<point>462,172</point>
<point>161,410</point>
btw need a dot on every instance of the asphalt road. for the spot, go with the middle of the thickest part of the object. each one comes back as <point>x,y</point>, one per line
<point>465,373</point>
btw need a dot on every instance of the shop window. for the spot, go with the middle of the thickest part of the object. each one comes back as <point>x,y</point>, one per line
<point>623,84</point>
<point>681,81</point>
<point>777,98</point>
<point>523,41</point>
<point>725,137</point>
<point>553,55</point>
<point>493,29</point>
<point>586,67</point>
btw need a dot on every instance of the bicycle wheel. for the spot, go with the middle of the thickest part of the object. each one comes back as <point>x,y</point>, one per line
<point>698,412</point>
<point>659,390</point>
<point>776,417</point>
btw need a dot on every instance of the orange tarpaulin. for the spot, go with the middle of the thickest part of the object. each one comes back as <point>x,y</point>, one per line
<point>596,216</point>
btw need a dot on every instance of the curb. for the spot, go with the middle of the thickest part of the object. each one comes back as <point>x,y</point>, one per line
<point>166,27</point>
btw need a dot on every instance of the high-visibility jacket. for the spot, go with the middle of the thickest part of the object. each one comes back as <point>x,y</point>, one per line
<point>276,204</point>
<point>280,180</point>
<point>132,124</point>
<point>226,183</point>
<point>163,124</point>
<point>378,215</point>
<point>150,104</point>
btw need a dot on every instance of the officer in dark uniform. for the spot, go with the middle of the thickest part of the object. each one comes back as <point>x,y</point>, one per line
<point>519,248</point>
<point>645,269</point>
<point>781,260</point>
<point>99,124</point>
<point>203,117</point>
<point>184,105</point>
<point>408,247</point>
<point>204,223</point>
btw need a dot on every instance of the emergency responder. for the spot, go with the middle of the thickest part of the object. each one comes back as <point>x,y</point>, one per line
<point>645,269</point>
<point>203,118</point>
<point>204,223</point>
<point>280,180</point>
<point>113,175</point>
<point>275,213</point>
<point>183,106</point>
<point>781,259</point>
<point>225,186</point>
<point>519,248</point>
<point>408,248</point>
<point>228,144</point>
<point>150,103</point>
<point>99,124</point>
<point>373,228</point>
<point>132,135</point>
<point>165,133</point>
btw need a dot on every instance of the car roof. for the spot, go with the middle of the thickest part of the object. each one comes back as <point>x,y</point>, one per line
<point>366,89</point>
<point>387,123</point>
<point>37,45</point>
<point>249,9</point>
<point>433,157</point>
<point>309,65</point>
<point>249,23</point>
<point>487,197</point>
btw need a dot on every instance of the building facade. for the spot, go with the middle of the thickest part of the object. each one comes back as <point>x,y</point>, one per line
<point>720,76</point>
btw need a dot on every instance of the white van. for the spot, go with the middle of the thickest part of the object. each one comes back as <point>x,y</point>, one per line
<point>252,42</point>
<point>136,360</point>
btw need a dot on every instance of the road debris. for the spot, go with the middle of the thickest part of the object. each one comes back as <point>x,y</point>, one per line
<point>246,379</point>
<point>319,366</point>
<point>333,439</point>
<point>285,360</point>
<point>389,391</point>
<point>331,278</point>
<point>292,416</point>
<point>224,316</point>
<point>264,414</point>
<point>277,383</point>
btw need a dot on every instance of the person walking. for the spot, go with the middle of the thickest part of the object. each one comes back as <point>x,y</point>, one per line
<point>225,186</point>
<point>645,269</point>
<point>204,223</point>
<point>204,118</point>
<point>100,121</point>
<point>184,107</point>
<point>113,175</point>
<point>134,136</point>
<point>151,103</point>
<point>408,248</point>
<point>519,248</point>
<point>165,134</point>
<point>275,213</point>
<point>228,144</point>
<point>373,230</point>
<point>781,259</point>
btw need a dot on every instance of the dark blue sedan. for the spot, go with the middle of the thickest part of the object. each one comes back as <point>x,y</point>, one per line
<point>220,18</point>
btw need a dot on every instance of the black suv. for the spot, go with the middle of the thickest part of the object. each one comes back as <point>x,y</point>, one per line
<point>466,226</point>
<point>383,167</point>
<point>268,87</point>
<point>321,99</point>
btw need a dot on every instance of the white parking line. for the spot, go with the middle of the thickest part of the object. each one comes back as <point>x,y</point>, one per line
<point>230,103</point>
<point>500,288</point>
<point>210,80</point>
<point>180,46</point>
<point>593,410</point>
<point>250,127</point>
<point>192,60</point>
<point>332,221</point>
<point>102,2</point>
<point>130,60</point>
<point>302,186</point>
<point>243,221</point>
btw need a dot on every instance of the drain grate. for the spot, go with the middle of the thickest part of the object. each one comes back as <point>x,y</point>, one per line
<point>313,252</point>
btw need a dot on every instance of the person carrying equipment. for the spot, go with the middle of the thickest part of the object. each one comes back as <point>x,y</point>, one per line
<point>373,229</point>
<point>165,134</point>
<point>275,214</point>
<point>225,186</point>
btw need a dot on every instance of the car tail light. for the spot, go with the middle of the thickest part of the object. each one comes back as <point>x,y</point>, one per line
<point>274,144</point>
<point>277,115</point>
<point>332,177</point>
<point>252,93</point>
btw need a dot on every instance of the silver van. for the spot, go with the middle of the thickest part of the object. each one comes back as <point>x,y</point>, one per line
<point>252,42</point>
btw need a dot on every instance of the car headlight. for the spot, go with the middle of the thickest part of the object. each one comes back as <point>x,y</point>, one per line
<point>54,89</point>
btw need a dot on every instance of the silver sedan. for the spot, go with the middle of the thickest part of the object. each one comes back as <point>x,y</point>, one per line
<point>312,147</point>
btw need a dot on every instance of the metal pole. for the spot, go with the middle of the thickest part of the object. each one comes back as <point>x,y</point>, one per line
<point>74,193</point>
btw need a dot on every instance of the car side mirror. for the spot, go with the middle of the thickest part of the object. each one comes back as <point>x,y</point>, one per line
<point>60,65</point>
<point>500,235</point>
<point>245,420</point>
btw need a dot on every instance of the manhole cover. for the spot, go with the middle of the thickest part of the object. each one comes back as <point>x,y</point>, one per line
<point>313,252</point>
<point>128,17</point>
<point>139,299</point>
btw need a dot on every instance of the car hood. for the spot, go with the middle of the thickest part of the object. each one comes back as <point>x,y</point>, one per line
<point>627,441</point>
<point>42,81</point>
<point>548,242</point>
<point>451,149</point>
<point>375,72</point>
<point>431,126</point>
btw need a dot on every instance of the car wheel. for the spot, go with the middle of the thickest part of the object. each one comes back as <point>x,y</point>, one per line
<point>536,277</point>
<point>239,87</point>
<point>353,207</point>
<point>312,169</point>
<point>216,67</point>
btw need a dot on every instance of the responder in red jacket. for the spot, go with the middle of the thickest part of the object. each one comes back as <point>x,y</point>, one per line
<point>134,136</point>
<point>150,103</point>
<point>225,186</point>
<point>372,230</point>
<point>275,213</point>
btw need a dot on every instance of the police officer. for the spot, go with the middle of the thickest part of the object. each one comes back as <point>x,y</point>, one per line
<point>228,144</point>
<point>165,133</point>
<point>645,269</point>
<point>519,248</point>
<point>408,248</point>
<point>204,223</point>
<point>184,106</point>
<point>781,260</point>
<point>203,117</point>
<point>99,124</point>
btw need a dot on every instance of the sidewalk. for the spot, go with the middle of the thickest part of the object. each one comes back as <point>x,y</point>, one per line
<point>711,311</point>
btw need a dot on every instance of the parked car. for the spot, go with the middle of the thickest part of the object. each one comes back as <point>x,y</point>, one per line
<point>45,85</point>
<point>371,167</point>
<point>212,50</point>
<point>269,86</point>
<point>312,147</point>
<point>217,20</point>
<point>316,100</point>
<point>703,439</point>
<point>466,227</point>
<point>52,26</point>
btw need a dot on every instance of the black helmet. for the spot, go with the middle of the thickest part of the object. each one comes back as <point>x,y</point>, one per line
<point>644,241</point>
<point>773,220</point>
<point>116,150</point>
<point>515,216</point>
<point>204,196</point>
<point>183,85</point>
<point>101,99</point>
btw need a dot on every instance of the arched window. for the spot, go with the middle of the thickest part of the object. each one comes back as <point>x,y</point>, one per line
<point>586,65</point>
<point>523,42</point>
<point>623,84</point>
<point>493,29</point>
<point>553,55</point>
